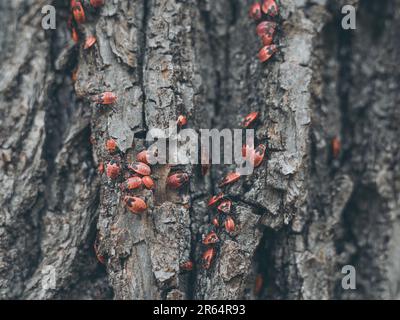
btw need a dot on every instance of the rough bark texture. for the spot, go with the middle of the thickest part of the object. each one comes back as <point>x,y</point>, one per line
<point>300,217</point>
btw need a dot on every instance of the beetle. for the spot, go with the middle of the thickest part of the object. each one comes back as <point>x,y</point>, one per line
<point>210,238</point>
<point>100,168</point>
<point>113,169</point>
<point>258,284</point>
<point>255,11</point>
<point>336,147</point>
<point>90,41</point>
<point>106,98</point>
<point>259,153</point>
<point>250,119</point>
<point>147,156</point>
<point>267,52</point>
<point>140,168</point>
<point>96,3</point>
<point>111,145</point>
<point>225,206</point>
<point>135,204</point>
<point>214,199</point>
<point>177,180</point>
<point>205,162</point>
<point>78,12</point>
<point>99,257</point>
<point>74,35</point>
<point>143,156</point>
<point>187,265</point>
<point>131,183</point>
<point>270,8</point>
<point>215,222</point>
<point>74,75</point>
<point>266,27</point>
<point>148,182</point>
<point>182,121</point>
<point>207,257</point>
<point>266,31</point>
<point>229,224</point>
<point>230,178</point>
<point>245,149</point>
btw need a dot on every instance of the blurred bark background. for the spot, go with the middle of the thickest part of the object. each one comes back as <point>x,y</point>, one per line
<point>300,217</point>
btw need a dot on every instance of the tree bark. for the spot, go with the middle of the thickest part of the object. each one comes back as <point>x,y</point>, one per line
<point>299,218</point>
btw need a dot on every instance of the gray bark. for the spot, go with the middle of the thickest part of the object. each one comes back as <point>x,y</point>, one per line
<point>300,217</point>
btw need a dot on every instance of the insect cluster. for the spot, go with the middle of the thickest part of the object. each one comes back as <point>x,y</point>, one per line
<point>263,13</point>
<point>78,17</point>
<point>137,176</point>
<point>223,210</point>
<point>134,177</point>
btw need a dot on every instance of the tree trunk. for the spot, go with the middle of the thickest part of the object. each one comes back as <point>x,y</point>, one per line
<point>299,217</point>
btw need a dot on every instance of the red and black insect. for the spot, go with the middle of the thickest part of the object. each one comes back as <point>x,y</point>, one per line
<point>135,204</point>
<point>100,168</point>
<point>225,206</point>
<point>140,168</point>
<point>230,178</point>
<point>270,8</point>
<point>131,183</point>
<point>90,41</point>
<point>111,145</point>
<point>210,238</point>
<point>148,182</point>
<point>229,224</point>
<point>74,35</point>
<point>143,156</point>
<point>182,121</point>
<point>147,156</point>
<point>205,162</point>
<point>266,30</point>
<point>177,180</point>
<point>250,119</point>
<point>259,154</point>
<point>113,169</point>
<point>106,98</point>
<point>215,222</point>
<point>208,257</point>
<point>258,285</point>
<point>74,75</point>
<point>255,11</point>
<point>96,3</point>
<point>336,147</point>
<point>214,199</point>
<point>267,52</point>
<point>78,12</point>
<point>245,150</point>
<point>99,257</point>
<point>187,265</point>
